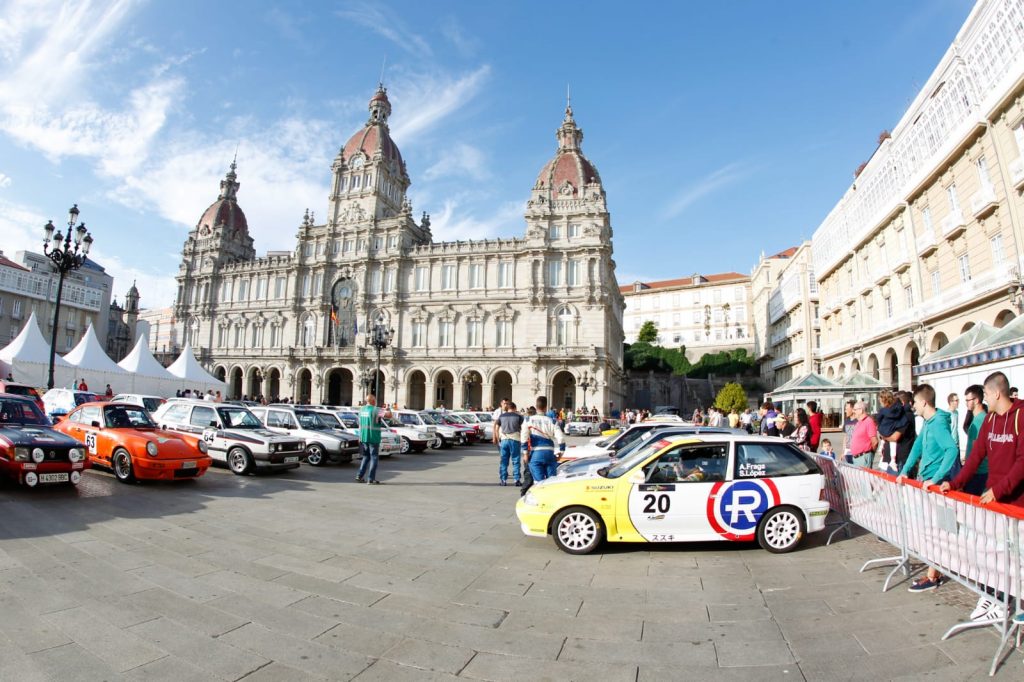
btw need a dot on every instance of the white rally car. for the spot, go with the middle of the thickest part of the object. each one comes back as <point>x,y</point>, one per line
<point>684,489</point>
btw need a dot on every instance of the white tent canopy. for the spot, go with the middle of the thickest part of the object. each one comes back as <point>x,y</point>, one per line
<point>93,364</point>
<point>148,376</point>
<point>29,356</point>
<point>188,370</point>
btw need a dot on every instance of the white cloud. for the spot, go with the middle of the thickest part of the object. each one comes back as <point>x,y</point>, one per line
<point>388,24</point>
<point>423,100</point>
<point>452,30</point>
<point>452,223</point>
<point>22,228</point>
<point>712,182</point>
<point>5,180</point>
<point>459,159</point>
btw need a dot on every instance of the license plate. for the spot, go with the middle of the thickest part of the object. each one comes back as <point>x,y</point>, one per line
<point>290,460</point>
<point>53,478</point>
<point>431,429</point>
<point>188,465</point>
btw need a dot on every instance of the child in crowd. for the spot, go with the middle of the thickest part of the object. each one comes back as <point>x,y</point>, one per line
<point>826,448</point>
<point>892,417</point>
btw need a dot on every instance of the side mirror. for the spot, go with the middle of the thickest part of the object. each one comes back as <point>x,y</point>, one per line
<point>95,424</point>
<point>213,424</point>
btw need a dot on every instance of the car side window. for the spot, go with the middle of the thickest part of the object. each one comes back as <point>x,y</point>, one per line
<point>756,460</point>
<point>689,464</point>
<point>178,413</point>
<point>202,416</point>
<point>91,414</point>
<point>75,417</point>
<point>408,419</point>
<point>277,419</point>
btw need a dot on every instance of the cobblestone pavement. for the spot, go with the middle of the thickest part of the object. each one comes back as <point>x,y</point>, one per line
<point>308,575</point>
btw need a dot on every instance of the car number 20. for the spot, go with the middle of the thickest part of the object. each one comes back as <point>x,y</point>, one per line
<point>90,442</point>
<point>657,504</point>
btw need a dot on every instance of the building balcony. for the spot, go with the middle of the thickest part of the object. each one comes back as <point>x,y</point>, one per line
<point>901,262</point>
<point>787,360</point>
<point>953,225</point>
<point>882,276</point>
<point>983,202</point>
<point>927,243</point>
<point>1017,173</point>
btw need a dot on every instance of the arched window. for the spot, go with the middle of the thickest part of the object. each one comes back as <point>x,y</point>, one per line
<point>563,326</point>
<point>192,335</point>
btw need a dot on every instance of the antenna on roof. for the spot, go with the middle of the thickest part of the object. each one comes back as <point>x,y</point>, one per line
<point>234,160</point>
<point>383,66</point>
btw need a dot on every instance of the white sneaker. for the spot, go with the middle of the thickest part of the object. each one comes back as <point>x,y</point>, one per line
<point>985,605</point>
<point>994,615</point>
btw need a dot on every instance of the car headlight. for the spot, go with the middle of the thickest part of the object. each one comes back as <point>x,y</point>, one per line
<point>75,455</point>
<point>38,455</point>
<point>151,448</point>
<point>530,500</point>
<point>21,454</point>
<point>203,447</point>
<point>274,447</point>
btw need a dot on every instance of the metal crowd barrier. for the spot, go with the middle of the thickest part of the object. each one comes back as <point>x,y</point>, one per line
<point>836,500</point>
<point>979,546</point>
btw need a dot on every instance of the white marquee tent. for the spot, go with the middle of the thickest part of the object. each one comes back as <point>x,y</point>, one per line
<point>29,358</point>
<point>148,376</point>
<point>93,364</point>
<point>192,375</point>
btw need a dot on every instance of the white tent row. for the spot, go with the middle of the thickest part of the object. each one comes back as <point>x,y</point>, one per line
<point>28,357</point>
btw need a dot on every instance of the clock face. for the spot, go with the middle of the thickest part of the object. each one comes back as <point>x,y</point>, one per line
<point>357,162</point>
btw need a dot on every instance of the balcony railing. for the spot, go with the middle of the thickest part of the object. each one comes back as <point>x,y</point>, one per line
<point>983,202</point>
<point>901,262</point>
<point>953,225</point>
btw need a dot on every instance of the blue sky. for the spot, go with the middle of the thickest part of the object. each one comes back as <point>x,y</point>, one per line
<point>720,130</point>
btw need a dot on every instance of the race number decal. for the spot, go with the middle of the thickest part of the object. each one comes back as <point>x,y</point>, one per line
<point>734,508</point>
<point>90,442</point>
<point>209,435</point>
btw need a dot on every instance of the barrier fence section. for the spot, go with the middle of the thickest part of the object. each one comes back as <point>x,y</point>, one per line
<point>836,501</point>
<point>979,546</point>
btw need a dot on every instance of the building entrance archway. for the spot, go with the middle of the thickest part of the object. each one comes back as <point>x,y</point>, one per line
<point>339,386</point>
<point>443,389</point>
<point>236,383</point>
<point>416,390</point>
<point>501,388</point>
<point>304,386</point>
<point>563,391</point>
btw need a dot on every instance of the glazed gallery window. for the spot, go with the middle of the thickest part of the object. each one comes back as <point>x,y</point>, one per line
<point>447,277</point>
<point>421,278</point>
<point>504,274</point>
<point>419,334</point>
<point>573,273</point>
<point>555,232</point>
<point>476,276</point>
<point>309,332</point>
<point>279,287</point>
<point>473,335</point>
<point>574,230</point>
<point>563,327</point>
<point>554,273</point>
<point>504,333</point>
<point>446,334</point>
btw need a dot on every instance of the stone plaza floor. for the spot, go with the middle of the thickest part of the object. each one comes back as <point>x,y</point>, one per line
<point>307,575</point>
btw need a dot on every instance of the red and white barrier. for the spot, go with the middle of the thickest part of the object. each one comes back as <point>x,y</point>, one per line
<point>979,546</point>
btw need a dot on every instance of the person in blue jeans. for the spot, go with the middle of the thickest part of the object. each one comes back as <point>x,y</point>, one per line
<point>542,436</point>
<point>508,434</point>
<point>369,439</point>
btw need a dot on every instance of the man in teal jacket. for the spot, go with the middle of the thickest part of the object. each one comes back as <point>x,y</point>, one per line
<point>938,454</point>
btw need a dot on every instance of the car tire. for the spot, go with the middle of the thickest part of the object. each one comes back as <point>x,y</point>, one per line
<point>239,461</point>
<point>577,530</point>
<point>780,530</point>
<point>406,446</point>
<point>121,465</point>
<point>315,454</point>
<point>437,443</point>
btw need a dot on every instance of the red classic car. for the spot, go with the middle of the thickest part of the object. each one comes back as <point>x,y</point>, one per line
<point>123,438</point>
<point>31,451</point>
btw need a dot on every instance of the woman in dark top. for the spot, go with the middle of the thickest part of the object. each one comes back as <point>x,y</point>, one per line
<point>802,432</point>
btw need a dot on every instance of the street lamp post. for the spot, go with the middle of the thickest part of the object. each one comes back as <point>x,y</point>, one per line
<point>380,338</point>
<point>469,379</point>
<point>67,256</point>
<point>585,384</point>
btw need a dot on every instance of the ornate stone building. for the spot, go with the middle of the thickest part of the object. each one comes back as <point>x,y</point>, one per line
<point>473,321</point>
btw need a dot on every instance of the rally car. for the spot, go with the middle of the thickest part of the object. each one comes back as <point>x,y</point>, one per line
<point>123,438</point>
<point>681,489</point>
<point>30,451</point>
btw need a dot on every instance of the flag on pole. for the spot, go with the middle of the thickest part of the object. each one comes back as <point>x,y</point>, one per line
<point>334,314</point>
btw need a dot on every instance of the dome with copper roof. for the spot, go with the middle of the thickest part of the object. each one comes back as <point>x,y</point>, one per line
<point>569,171</point>
<point>225,211</point>
<point>374,137</point>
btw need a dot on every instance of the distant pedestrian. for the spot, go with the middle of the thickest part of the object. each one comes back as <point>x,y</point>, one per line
<point>802,431</point>
<point>509,428</point>
<point>865,437</point>
<point>849,424</point>
<point>747,420</point>
<point>82,386</point>
<point>826,448</point>
<point>814,422</point>
<point>976,411</point>
<point>369,439</point>
<point>542,436</point>
<point>109,393</point>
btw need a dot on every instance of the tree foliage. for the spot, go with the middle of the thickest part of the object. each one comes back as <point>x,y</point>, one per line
<point>731,397</point>
<point>648,357</point>
<point>648,333</point>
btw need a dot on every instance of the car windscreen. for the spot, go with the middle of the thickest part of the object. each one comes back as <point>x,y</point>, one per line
<point>21,412</point>
<point>429,418</point>
<point>151,404</point>
<point>311,420</point>
<point>238,418</point>
<point>635,457</point>
<point>14,389</point>
<point>630,436</point>
<point>127,417</point>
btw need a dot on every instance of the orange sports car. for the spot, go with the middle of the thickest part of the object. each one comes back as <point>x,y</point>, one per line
<point>123,438</point>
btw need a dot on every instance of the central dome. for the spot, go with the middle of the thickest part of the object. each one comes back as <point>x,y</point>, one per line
<point>225,211</point>
<point>569,171</point>
<point>374,137</point>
